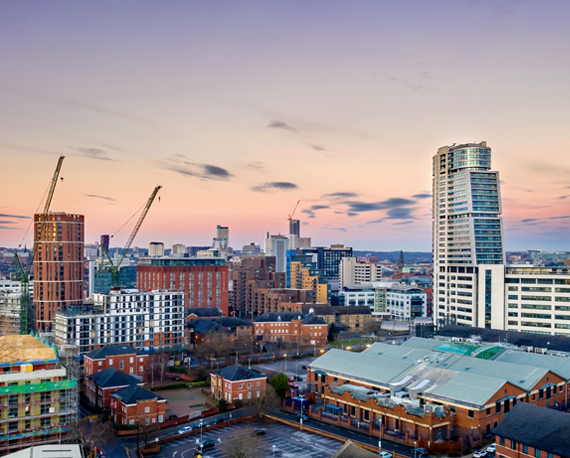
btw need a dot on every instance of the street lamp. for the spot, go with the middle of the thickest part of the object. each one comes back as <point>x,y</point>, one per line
<point>415,449</point>
<point>201,422</point>
<point>285,355</point>
<point>379,436</point>
<point>274,451</point>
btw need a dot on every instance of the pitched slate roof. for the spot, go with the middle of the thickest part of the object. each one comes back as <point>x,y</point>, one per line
<point>337,310</point>
<point>133,394</point>
<point>112,377</point>
<point>204,312</point>
<point>112,350</point>
<point>313,319</point>
<point>538,427</point>
<point>204,326</point>
<point>237,372</point>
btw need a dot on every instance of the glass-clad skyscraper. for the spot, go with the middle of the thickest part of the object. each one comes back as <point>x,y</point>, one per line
<point>468,251</point>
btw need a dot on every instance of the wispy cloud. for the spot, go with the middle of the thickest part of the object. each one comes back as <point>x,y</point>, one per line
<point>101,197</point>
<point>340,195</point>
<point>275,186</point>
<point>10,228</point>
<point>304,223</point>
<point>352,214</point>
<point>7,222</point>
<point>96,153</point>
<point>3,215</point>
<point>310,213</point>
<point>424,195</point>
<point>394,202</point>
<point>318,148</point>
<point>529,220</point>
<point>276,124</point>
<point>342,229</point>
<point>257,165</point>
<point>179,163</point>
<point>403,222</point>
<point>376,221</point>
<point>319,207</point>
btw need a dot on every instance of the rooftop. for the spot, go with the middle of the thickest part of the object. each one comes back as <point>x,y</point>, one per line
<point>112,377</point>
<point>237,372</point>
<point>134,393</point>
<point>328,310</point>
<point>51,451</point>
<point>204,312</point>
<point>24,349</point>
<point>538,427</point>
<point>112,350</point>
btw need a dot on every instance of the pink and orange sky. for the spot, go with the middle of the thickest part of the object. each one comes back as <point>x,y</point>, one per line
<point>241,108</point>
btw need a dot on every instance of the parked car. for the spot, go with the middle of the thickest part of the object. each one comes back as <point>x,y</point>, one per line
<point>176,378</point>
<point>208,443</point>
<point>304,367</point>
<point>185,429</point>
<point>479,454</point>
<point>259,432</point>
<point>291,379</point>
<point>217,421</point>
<point>293,385</point>
<point>420,451</point>
<point>299,378</point>
<point>385,455</point>
<point>196,426</point>
<point>491,448</point>
<point>302,416</point>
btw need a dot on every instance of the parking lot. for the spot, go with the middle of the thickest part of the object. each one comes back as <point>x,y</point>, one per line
<point>288,442</point>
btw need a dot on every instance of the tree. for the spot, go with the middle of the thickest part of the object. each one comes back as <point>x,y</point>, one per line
<point>146,431</point>
<point>332,332</point>
<point>267,403</point>
<point>280,383</point>
<point>245,444</point>
<point>90,433</point>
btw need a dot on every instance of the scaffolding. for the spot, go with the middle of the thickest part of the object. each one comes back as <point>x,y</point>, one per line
<point>70,359</point>
<point>9,312</point>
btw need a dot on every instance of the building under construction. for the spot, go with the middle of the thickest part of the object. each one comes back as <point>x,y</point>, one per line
<point>10,303</point>
<point>38,394</point>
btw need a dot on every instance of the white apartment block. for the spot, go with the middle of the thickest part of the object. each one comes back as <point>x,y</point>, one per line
<point>277,245</point>
<point>357,271</point>
<point>141,319</point>
<point>468,252</point>
<point>156,249</point>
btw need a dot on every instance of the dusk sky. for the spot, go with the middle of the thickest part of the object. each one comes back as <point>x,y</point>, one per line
<point>241,108</point>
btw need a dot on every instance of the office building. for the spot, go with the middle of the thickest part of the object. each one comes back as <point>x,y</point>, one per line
<point>356,271</point>
<point>141,319</point>
<point>468,251</point>
<point>58,266</point>
<point>251,250</point>
<point>204,281</point>
<point>156,249</point>
<point>178,250</point>
<point>277,245</point>
<point>304,242</point>
<point>101,281</point>
<point>327,259</point>
<point>406,302</point>
<point>38,395</point>
<point>222,237</point>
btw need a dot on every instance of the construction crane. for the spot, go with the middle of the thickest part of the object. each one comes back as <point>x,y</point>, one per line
<point>114,269</point>
<point>25,304</point>
<point>294,210</point>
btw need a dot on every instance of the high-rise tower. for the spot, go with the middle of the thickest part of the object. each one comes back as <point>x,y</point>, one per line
<point>58,266</point>
<point>468,252</point>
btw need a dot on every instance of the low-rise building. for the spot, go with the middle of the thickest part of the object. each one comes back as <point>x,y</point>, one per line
<point>406,302</point>
<point>291,327</point>
<point>38,399</point>
<point>100,386</point>
<point>237,383</point>
<point>142,319</point>
<point>429,389</point>
<point>207,312</point>
<point>533,432</point>
<point>121,357</point>
<point>136,405</point>
<point>359,270</point>
<point>228,329</point>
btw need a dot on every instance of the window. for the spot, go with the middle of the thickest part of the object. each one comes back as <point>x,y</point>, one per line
<point>470,414</point>
<point>131,359</point>
<point>525,449</point>
<point>257,384</point>
<point>249,385</point>
<point>550,455</point>
<point>240,386</point>
<point>131,422</point>
<point>240,396</point>
<point>100,363</point>
<point>488,411</point>
<point>537,453</point>
<point>121,365</point>
<point>140,368</point>
<point>502,441</point>
<point>146,409</point>
<point>110,361</point>
<point>513,445</point>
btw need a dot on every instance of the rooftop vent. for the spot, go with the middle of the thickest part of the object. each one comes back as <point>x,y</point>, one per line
<point>467,368</point>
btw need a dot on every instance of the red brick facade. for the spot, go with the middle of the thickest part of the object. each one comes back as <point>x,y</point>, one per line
<point>291,331</point>
<point>130,364</point>
<point>203,286</point>
<point>143,412</point>
<point>245,390</point>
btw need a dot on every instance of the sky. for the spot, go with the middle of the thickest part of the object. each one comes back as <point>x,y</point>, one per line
<point>241,108</point>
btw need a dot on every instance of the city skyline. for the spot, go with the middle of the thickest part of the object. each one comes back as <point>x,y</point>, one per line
<point>241,110</point>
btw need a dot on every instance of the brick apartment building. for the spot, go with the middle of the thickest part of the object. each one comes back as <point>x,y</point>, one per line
<point>237,383</point>
<point>530,431</point>
<point>291,327</point>
<point>136,405</point>
<point>204,281</point>
<point>123,358</point>
<point>433,389</point>
<point>100,386</point>
<point>58,266</point>
<point>229,329</point>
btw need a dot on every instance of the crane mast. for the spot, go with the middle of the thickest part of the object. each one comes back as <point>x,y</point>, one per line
<point>114,269</point>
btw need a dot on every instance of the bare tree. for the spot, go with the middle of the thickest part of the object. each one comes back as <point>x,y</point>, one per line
<point>162,360</point>
<point>146,431</point>
<point>90,433</point>
<point>267,403</point>
<point>245,444</point>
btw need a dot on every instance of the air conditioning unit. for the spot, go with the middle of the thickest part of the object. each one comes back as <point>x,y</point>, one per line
<point>562,355</point>
<point>541,351</point>
<point>527,349</point>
